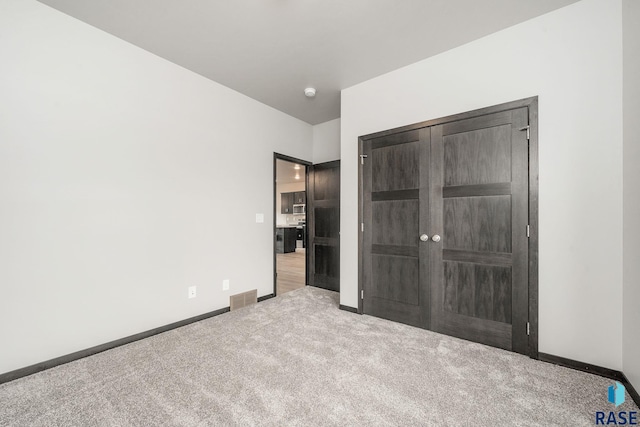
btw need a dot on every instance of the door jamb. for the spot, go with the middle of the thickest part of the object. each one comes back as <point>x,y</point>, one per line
<point>531,104</point>
<point>306,164</point>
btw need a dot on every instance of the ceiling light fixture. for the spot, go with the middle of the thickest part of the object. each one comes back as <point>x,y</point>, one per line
<point>310,92</point>
<point>297,176</point>
<point>297,167</point>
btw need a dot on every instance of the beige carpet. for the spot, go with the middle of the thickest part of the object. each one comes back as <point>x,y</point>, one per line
<point>296,360</point>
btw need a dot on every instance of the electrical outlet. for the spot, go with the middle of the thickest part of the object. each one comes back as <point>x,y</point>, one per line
<point>225,285</point>
<point>192,291</point>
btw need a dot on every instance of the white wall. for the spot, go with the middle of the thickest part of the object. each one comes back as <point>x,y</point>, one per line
<point>574,66</point>
<point>122,182</point>
<point>326,141</point>
<point>631,96</point>
<point>287,188</point>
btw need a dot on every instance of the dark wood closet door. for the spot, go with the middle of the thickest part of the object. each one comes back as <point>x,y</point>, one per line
<point>395,209</point>
<point>479,208</point>
<point>323,225</point>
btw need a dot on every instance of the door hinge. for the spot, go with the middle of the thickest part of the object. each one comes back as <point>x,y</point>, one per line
<point>362,157</point>
<point>362,294</point>
<point>528,129</point>
<point>528,328</point>
<point>528,231</point>
<point>362,227</point>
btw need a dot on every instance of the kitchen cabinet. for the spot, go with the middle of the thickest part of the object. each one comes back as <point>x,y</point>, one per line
<point>285,239</point>
<point>286,206</point>
<point>300,198</point>
<point>287,200</point>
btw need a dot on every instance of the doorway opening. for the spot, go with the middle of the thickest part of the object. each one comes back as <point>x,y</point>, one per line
<point>290,229</point>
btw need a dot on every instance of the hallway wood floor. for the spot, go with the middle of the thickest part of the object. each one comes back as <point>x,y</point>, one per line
<point>291,271</point>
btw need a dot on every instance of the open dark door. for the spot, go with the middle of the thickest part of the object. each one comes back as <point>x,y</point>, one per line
<point>323,225</point>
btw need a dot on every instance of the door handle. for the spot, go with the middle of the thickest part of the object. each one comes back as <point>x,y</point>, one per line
<point>424,237</point>
<point>436,238</point>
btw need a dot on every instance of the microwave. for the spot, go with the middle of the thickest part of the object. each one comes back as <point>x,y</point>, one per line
<point>299,209</point>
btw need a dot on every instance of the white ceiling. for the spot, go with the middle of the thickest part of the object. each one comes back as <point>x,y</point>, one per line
<point>286,172</point>
<point>271,50</point>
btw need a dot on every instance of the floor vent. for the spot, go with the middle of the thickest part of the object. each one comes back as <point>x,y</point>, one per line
<point>244,299</point>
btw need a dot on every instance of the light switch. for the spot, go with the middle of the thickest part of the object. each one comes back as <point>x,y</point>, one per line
<point>259,218</point>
